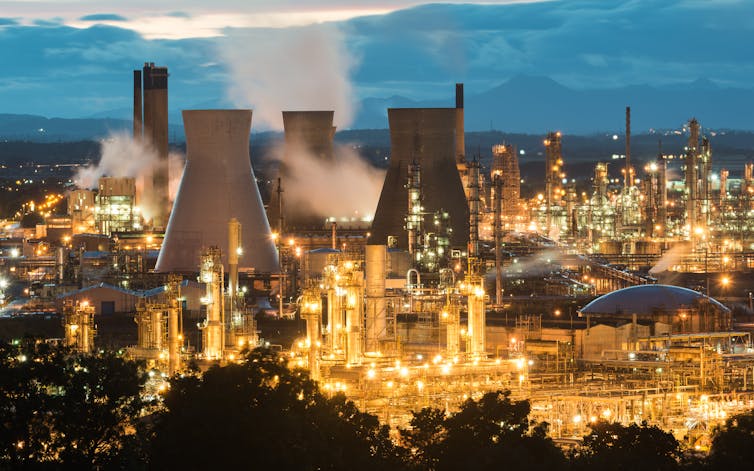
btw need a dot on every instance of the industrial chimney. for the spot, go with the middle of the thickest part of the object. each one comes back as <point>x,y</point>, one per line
<point>426,136</point>
<point>306,132</point>
<point>218,184</point>
<point>151,124</point>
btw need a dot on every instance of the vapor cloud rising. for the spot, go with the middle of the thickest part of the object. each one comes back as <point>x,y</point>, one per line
<point>348,187</point>
<point>273,70</point>
<point>122,156</point>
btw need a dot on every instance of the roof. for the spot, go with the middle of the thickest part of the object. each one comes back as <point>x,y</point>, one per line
<point>646,300</point>
<point>97,286</point>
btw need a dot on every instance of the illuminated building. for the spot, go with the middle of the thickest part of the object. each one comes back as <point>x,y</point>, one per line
<point>116,209</point>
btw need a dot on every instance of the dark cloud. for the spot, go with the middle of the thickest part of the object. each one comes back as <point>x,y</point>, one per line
<point>104,17</point>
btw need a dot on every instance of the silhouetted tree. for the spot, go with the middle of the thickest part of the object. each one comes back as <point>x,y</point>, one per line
<point>492,433</point>
<point>618,447</point>
<point>61,409</point>
<point>733,444</point>
<point>262,415</point>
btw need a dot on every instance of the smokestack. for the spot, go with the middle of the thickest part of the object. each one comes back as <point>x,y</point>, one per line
<point>460,127</point>
<point>312,133</point>
<point>427,136</point>
<point>156,132</point>
<point>218,184</point>
<point>138,131</point>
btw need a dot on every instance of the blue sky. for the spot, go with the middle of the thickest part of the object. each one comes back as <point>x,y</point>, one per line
<point>74,59</point>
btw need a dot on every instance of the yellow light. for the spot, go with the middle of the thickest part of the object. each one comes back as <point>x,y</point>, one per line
<point>371,374</point>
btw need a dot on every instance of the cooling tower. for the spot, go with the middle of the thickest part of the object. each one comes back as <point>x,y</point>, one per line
<point>427,136</point>
<point>218,184</point>
<point>307,133</point>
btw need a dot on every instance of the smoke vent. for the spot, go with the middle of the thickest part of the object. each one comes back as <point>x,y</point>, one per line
<point>218,184</point>
<point>426,136</point>
<point>306,132</point>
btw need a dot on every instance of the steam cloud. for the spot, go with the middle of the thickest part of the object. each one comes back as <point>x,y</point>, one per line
<point>305,68</point>
<point>348,186</point>
<point>122,156</point>
<point>670,258</point>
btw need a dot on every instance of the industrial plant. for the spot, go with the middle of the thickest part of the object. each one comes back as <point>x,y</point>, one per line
<point>605,298</point>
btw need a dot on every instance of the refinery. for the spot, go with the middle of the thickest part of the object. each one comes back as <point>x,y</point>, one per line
<point>601,298</point>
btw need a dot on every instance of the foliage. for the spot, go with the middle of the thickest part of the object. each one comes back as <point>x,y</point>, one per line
<point>733,444</point>
<point>619,447</point>
<point>61,409</point>
<point>491,433</point>
<point>262,415</point>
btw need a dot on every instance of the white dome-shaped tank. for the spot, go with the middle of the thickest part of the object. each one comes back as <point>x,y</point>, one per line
<point>218,184</point>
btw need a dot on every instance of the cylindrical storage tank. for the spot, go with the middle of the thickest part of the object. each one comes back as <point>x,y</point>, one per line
<point>477,320</point>
<point>646,247</point>
<point>218,184</point>
<point>376,304</point>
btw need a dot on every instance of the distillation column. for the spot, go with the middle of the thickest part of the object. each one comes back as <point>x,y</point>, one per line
<point>691,176</point>
<point>498,182</point>
<point>334,307</point>
<point>553,163</point>
<point>473,208</point>
<point>174,333</point>
<point>451,319</point>
<point>311,312</point>
<point>376,304</point>
<point>477,316</point>
<point>415,219</point>
<point>354,314</point>
<point>213,333</point>
<point>78,321</point>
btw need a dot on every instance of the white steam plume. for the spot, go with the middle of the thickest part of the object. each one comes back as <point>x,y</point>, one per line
<point>122,156</point>
<point>670,258</point>
<point>346,187</point>
<point>306,68</point>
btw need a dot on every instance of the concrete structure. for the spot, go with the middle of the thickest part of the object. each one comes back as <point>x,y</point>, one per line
<point>218,184</point>
<point>426,136</point>
<point>310,133</point>
<point>153,114</point>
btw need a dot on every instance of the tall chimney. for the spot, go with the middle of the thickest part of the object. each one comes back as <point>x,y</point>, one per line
<point>156,133</point>
<point>218,184</point>
<point>460,126</point>
<point>138,130</point>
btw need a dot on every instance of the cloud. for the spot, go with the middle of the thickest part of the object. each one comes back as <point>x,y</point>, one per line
<point>104,17</point>
<point>8,22</point>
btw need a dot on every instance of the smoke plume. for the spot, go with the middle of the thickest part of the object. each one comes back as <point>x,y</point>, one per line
<point>348,186</point>
<point>122,156</point>
<point>306,68</point>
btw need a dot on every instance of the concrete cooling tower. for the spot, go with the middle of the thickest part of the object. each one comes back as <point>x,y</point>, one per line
<point>218,184</point>
<point>426,136</point>
<point>310,133</point>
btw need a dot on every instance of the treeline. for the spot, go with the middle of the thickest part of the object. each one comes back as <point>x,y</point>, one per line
<point>60,410</point>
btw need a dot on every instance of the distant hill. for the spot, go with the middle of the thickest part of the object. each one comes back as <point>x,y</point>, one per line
<point>41,129</point>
